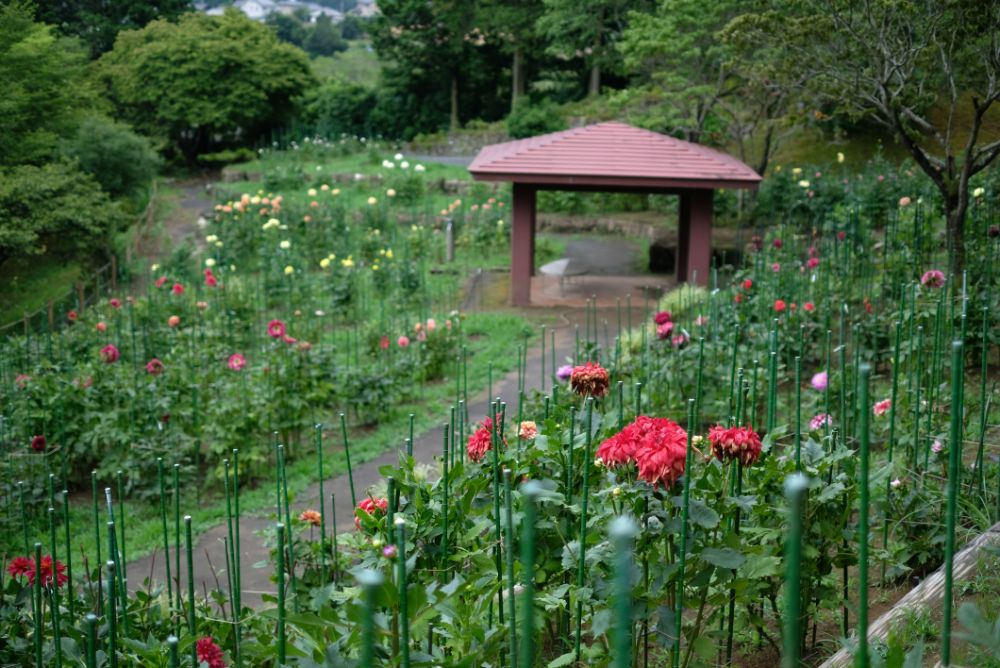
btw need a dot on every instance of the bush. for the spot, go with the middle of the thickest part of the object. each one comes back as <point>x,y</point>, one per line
<point>530,119</point>
<point>339,108</point>
<point>122,162</point>
<point>54,209</point>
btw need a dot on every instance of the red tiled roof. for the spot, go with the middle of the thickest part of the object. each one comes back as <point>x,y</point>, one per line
<point>611,154</point>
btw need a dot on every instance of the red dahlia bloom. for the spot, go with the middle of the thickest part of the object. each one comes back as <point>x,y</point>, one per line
<point>71,316</point>
<point>160,281</point>
<point>590,379</point>
<point>662,317</point>
<point>276,329</point>
<point>209,653</point>
<point>110,354</point>
<point>178,289</point>
<point>154,367</point>
<point>25,567</point>
<point>237,362</point>
<point>481,441</point>
<point>38,443</point>
<point>660,450</point>
<point>115,303</point>
<point>375,507</point>
<point>735,443</point>
<point>779,305</point>
<point>747,284</point>
<point>211,281</point>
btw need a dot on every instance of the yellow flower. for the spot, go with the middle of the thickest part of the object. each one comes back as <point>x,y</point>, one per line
<point>210,262</point>
<point>374,267</point>
<point>289,270</point>
<point>286,244</point>
<point>211,239</point>
<point>391,192</point>
<point>347,263</point>
<point>388,253</point>
<point>332,256</point>
<point>312,192</point>
<point>155,267</point>
<point>840,157</point>
<point>803,183</point>
<point>325,263</point>
<point>979,192</point>
<point>335,192</point>
<point>324,187</point>
<point>371,201</point>
<point>218,244</point>
<point>271,224</point>
<point>796,171</point>
<point>255,200</point>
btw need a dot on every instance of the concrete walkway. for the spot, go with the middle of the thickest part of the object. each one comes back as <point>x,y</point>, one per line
<point>209,548</point>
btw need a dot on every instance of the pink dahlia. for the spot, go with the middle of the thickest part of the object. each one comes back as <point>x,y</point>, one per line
<point>590,379</point>
<point>377,508</point>
<point>882,407</point>
<point>110,354</point>
<point>276,329</point>
<point>735,444</point>
<point>933,278</point>
<point>154,367</point>
<point>237,362</point>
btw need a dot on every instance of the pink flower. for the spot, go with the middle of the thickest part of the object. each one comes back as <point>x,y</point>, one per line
<point>776,267</point>
<point>174,320</point>
<point>937,447</point>
<point>680,340</point>
<point>527,430</point>
<point>209,653</point>
<point>777,243</point>
<point>160,281</point>
<point>403,342</point>
<point>819,421</point>
<point>590,379</point>
<point>661,450</point>
<point>237,362</point>
<point>779,305</point>
<point>820,381</point>
<point>480,441</point>
<point>178,289</point>
<point>665,330</point>
<point>701,320</point>
<point>809,306</point>
<point>895,483</point>
<point>383,343</point>
<point>431,325</point>
<point>813,262</point>
<point>154,367</point>
<point>110,354</point>
<point>662,317</point>
<point>72,316</point>
<point>377,508</point>
<point>311,517</point>
<point>747,284</point>
<point>21,380</point>
<point>904,201</point>
<point>882,407</point>
<point>101,326</point>
<point>115,303</point>
<point>211,281</point>
<point>276,329</point>
<point>389,551</point>
<point>933,278</point>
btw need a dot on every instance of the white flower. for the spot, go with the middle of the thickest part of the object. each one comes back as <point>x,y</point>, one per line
<point>320,313</point>
<point>419,168</point>
<point>218,244</point>
<point>312,192</point>
<point>388,164</point>
<point>979,192</point>
<point>210,262</point>
<point>154,267</point>
<point>289,270</point>
<point>390,192</point>
<point>397,157</point>
<point>324,187</point>
<point>211,239</point>
<point>895,483</point>
<point>404,165</point>
<point>285,245</point>
<point>803,183</point>
<point>271,224</point>
<point>372,201</point>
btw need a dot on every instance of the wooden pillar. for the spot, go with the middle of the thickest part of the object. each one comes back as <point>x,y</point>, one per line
<point>522,244</point>
<point>694,237</point>
<point>534,230</point>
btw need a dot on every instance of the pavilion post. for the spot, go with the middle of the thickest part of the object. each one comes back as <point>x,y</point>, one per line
<point>522,244</point>
<point>694,239</point>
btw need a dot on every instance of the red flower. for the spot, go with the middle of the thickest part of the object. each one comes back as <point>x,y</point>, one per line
<point>735,443</point>
<point>660,451</point>
<point>869,308</point>
<point>590,379</point>
<point>115,303</point>
<point>481,441</point>
<point>211,281</point>
<point>71,316</point>
<point>209,653</point>
<point>813,262</point>
<point>288,339</point>
<point>375,507</point>
<point>777,243</point>
<point>25,567</point>
<point>21,380</point>
<point>276,329</point>
<point>178,289</point>
<point>747,284</point>
<point>383,343</point>
<point>779,305</point>
<point>662,317</point>
<point>663,331</point>
<point>154,367</point>
<point>110,354</point>
<point>38,443</point>
<point>739,298</point>
<point>841,235</point>
<point>160,281</point>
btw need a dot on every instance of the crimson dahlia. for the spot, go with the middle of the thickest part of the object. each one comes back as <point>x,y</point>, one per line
<point>735,444</point>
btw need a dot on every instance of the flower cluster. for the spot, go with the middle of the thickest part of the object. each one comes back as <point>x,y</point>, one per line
<point>209,653</point>
<point>735,444</point>
<point>590,380</point>
<point>377,508</point>
<point>882,407</point>
<point>657,445</point>
<point>25,567</point>
<point>481,440</point>
<point>819,421</point>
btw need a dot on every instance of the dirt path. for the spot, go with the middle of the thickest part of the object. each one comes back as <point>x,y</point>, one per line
<point>427,447</point>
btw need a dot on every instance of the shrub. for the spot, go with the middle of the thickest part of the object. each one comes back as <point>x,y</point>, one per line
<point>530,119</point>
<point>122,162</point>
<point>337,108</point>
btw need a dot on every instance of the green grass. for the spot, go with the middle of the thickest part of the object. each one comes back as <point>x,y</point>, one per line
<point>358,65</point>
<point>29,283</point>
<point>492,338</point>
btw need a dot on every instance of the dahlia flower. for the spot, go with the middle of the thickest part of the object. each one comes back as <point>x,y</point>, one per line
<point>590,380</point>
<point>735,443</point>
<point>375,507</point>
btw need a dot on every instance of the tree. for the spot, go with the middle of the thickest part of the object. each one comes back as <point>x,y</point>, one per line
<point>512,24</point>
<point>98,22</point>
<point>55,209</point>
<point>204,81</point>
<point>288,28</point>
<point>324,38</point>
<point>337,107</point>
<point>926,70</point>
<point>44,89</point>
<point>123,162</point>
<point>587,29</point>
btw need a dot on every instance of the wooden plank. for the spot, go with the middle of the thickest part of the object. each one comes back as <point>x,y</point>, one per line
<point>925,595</point>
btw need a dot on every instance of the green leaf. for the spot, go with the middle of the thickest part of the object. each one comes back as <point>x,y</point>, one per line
<point>562,660</point>
<point>724,557</point>
<point>760,566</point>
<point>702,515</point>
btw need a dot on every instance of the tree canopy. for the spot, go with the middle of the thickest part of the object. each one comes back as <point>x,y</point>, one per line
<point>98,22</point>
<point>204,81</point>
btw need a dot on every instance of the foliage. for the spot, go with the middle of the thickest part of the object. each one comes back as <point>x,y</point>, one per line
<point>54,209</point>
<point>98,23</point>
<point>336,108</point>
<point>45,91</point>
<point>527,120</point>
<point>239,82</point>
<point>324,38</point>
<point>123,162</point>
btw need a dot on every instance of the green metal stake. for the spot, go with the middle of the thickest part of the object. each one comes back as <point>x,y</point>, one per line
<point>112,616</point>
<point>623,532</point>
<point>682,551</point>
<point>166,535</point>
<point>97,540</point>
<point>177,537</point>
<point>54,593</point>
<point>71,596</point>
<point>333,518</point>
<point>404,627</point>
<point>322,506</point>
<point>279,529</point>
<point>444,503</point>
<point>370,581</point>
<point>582,568</point>
<point>954,472</point>
<point>532,491</point>
<point>37,597</point>
<point>172,649</point>
<point>796,488</point>
<point>192,621</point>
<point>861,657</point>
<point>91,621</point>
<point>347,453</point>
<point>509,540</point>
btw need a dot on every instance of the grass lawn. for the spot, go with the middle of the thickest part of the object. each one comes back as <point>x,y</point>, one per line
<point>29,283</point>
